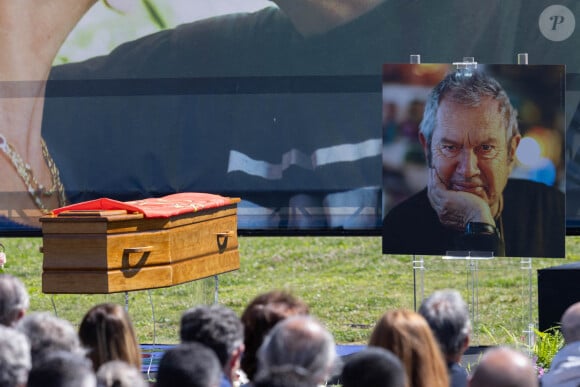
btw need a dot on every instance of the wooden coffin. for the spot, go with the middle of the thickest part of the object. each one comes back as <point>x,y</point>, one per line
<point>108,251</point>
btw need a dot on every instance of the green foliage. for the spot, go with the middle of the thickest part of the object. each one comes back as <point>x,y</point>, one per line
<point>507,338</point>
<point>547,344</point>
<point>545,347</point>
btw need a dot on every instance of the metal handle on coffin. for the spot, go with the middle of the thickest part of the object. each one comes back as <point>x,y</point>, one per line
<point>143,249</point>
<point>129,270</point>
<point>222,240</point>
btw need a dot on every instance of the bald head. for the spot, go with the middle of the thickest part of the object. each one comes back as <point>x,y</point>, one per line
<point>504,367</point>
<point>298,350</point>
<point>571,323</point>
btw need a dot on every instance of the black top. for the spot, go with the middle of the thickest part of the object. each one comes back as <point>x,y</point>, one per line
<point>457,375</point>
<point>533,224</point>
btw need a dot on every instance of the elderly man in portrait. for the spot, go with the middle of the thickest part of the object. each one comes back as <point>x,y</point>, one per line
<point>469,134</point>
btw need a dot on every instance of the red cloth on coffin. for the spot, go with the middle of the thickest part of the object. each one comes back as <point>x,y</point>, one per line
<point>163,207</point>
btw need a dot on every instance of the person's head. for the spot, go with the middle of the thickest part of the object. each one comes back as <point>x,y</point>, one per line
<point>218,328</point>
<point>469,133</point>
<point>15,360</point>
<point>117,373</point>
<point>47,333</point>
<point>62,369</point>
<point>408,336</point>
<point>106,331</point>
<point>571,323</point>
<point>503,367</point>
<point>298,351</point>
<point>448,316</point>
<point>189,365</point>
<point>14,300</point>
<point>261,314</point>
<point>373,367</point>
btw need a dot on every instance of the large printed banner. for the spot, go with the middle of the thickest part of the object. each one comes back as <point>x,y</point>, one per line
<point>268,104</point>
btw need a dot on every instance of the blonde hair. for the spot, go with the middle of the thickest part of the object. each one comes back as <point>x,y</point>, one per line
<point>407,335</point>
<point>107,332</point>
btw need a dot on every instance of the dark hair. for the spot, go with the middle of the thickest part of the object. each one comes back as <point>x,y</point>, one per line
<point>189,365</point>
<point>215,326</point>
<point>373,367</point>
<point>107,332</point>
<point>261,314</point>
<point>62,369</point>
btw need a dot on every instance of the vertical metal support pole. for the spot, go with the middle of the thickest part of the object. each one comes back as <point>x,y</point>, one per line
<point>53,305</point>
<point>127,302</point>
<point>473,288</point>
<point>418,265</point>
<point>216,289</point>
<point>526,264</point>
<point>154,346</point>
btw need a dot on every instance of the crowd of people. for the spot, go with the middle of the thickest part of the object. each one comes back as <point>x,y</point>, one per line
<point>276,342</point>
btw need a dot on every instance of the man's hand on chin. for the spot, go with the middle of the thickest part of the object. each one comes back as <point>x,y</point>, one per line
<point>456,208</point>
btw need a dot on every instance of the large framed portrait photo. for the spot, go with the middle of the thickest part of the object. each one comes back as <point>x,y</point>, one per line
<point>473,159</point>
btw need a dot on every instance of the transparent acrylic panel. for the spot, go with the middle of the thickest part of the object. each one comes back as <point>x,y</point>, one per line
<point>150,326</point>
<point>499,291</point>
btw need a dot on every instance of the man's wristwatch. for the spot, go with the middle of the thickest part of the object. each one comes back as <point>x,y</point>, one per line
<point>480,228</point>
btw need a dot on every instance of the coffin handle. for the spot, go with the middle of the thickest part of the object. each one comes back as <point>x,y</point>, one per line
<point>143,249</point>
<point>129,270</point>
<point>222,239</point>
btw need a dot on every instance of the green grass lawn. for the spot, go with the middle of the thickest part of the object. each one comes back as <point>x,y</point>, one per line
<point>346,280</point>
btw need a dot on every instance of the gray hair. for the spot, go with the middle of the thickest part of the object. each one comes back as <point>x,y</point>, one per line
<point>15,360</point>
<point>117,373</point>
<point>14,299</point>
<point>468,89</point>
<point>47,333</point>
<point>448,317</point>
<point>298,351</point>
